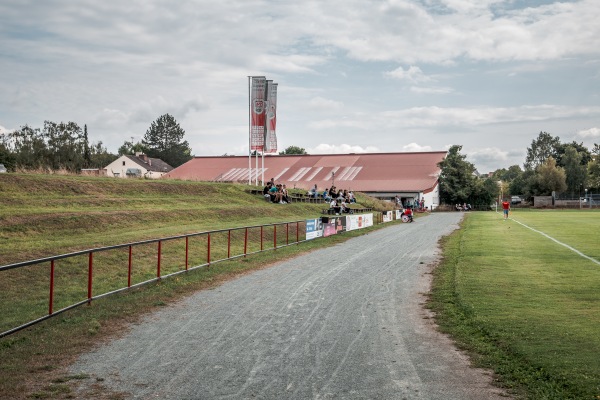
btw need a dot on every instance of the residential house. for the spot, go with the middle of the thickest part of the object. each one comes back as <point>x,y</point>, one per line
<point>137,166</point>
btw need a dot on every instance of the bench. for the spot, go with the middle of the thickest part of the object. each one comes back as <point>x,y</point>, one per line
<point>293,197</point>
<point>329,211</point>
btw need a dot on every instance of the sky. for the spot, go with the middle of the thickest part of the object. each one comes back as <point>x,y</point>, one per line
<point>353,75</point>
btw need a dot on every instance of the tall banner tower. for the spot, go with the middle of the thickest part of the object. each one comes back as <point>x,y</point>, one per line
<point>262,101</point>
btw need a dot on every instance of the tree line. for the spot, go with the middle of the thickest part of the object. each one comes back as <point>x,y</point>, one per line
<point>550,166</point>
<point>66,146</point>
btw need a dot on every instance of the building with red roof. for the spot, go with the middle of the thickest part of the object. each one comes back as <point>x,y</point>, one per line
<point>409,176</point>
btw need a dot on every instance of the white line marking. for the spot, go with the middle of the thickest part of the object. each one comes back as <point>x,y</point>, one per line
<point>559,242</point>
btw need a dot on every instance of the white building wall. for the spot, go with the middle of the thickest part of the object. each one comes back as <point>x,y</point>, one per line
<point>432,199</point>
<point>118,168</point>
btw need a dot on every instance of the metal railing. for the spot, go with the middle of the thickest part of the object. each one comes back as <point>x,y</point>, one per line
<point>219,245</point>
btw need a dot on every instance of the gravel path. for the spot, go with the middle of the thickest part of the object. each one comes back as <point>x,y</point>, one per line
<point>344,322</point>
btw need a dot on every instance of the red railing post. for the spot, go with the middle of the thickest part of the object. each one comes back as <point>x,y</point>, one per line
<point>261,238</point>
<point>287,233</point>
<point>51,300</point>
<point>246,243</point>
<point>158,263</point>
<point>90,273</point>
<point>187,246</point>
<point>208,250</point>
<point>129,269</point>
<point>275,236</point>
<point>229,244</point>
<point>297,232</point>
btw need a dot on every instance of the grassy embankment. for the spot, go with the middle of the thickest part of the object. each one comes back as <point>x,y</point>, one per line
<point>44,215</point>
<point>524,305</point>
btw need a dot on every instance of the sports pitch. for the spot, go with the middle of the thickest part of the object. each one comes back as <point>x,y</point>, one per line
<point>525,294</point>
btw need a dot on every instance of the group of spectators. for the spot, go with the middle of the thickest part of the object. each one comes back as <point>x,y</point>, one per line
<point>463,207</point>
<point>416,204</point>
<point>332,193</point>
<point>338,199</point>
<point>276,193</point>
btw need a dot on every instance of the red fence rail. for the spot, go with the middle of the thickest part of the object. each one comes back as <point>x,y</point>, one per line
<point>253,237</point>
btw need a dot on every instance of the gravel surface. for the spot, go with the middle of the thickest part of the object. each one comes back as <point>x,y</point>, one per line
<point>344,322</point>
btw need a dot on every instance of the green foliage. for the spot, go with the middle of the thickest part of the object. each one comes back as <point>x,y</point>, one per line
<point>164,140</point>
<point>593,170</point>
<point>548,178</point>
<point>456,177</point>
<point>542,148</point>
<point>7,158</point>
<point>99,156</point>
<point>508,175</point>
<point>129,148</point>
<point>58,146</point>
<point>293,150</point>
<point>575,169</point>
<point>485,191</point>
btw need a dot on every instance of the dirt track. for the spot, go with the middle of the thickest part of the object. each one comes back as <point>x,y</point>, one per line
<point>345,322</point>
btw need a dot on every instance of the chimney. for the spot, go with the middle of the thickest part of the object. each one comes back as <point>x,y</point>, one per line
<point>142,156</point>
<point>149,160</point>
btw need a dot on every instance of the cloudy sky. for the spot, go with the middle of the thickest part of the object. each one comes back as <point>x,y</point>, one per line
<point>353,75</point>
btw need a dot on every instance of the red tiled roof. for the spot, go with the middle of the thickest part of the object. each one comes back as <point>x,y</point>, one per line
<point>373,172</point>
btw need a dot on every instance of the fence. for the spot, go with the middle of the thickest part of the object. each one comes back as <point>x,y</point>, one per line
<point>70,280</point>
<point>74,279</point>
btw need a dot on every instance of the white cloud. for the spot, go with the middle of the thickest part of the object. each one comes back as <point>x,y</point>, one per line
<point>322,104</point>
<point>431,90</point>
<point>589,133</point>
<point>340,149</point>
<point>414,147</point>
<point>412,74</point>
<point>487,154</point>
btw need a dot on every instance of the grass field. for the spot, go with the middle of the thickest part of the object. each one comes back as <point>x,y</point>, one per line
<point>524,305</point>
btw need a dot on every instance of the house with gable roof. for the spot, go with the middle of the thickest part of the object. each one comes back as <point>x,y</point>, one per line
<point>137,166</point>
<point>409,176</point>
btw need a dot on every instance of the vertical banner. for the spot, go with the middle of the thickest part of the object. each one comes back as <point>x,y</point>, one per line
<point>257,113</point>
<point>271,120</point>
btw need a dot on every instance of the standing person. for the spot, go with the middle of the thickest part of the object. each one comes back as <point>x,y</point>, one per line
<point>505,209</point>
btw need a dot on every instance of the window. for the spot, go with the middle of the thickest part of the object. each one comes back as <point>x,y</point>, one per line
<point>123,163</point>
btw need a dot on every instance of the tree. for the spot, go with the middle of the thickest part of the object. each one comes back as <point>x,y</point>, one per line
<point>65,143</point>
<point>593,169</point>
<point>520,185</point>
<point>29,147</point>
<point>541,148</point>
<point>87,158</point>
<point>293,150</point>
<point>575,171</point>
<point>164,140</point>
<point>508,175</point>
<point>7,158</point>
<point>586,155</point>
<point>132,148</point>
<point>485,191</point>
<point>99,156</point>
<point>456,177</point>
<point>549,178</point>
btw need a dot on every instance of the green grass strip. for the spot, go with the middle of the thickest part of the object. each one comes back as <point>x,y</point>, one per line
<point>524,305</point>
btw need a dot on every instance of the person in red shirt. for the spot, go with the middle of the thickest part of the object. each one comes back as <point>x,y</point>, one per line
<point>505,208</point>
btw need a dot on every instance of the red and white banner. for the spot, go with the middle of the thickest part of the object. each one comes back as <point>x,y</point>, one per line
<point>271,137</point>
<point>257,113</point>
